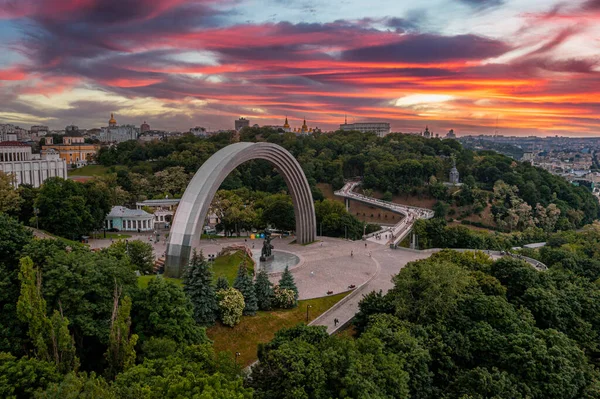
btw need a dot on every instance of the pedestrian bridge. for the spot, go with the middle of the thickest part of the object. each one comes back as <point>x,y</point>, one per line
<point>400,230</point>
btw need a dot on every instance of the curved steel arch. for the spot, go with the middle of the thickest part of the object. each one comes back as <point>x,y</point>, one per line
<point>189,219</point>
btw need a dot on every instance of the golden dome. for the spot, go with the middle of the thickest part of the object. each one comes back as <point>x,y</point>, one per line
<point>286,124</point>
<point>304,127</point>
<point>112,120</point>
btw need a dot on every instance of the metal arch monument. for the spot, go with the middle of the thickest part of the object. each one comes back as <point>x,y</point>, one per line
<point>189,219</point>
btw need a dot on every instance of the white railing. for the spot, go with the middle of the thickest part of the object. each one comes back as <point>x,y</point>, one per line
<point>410,213</point>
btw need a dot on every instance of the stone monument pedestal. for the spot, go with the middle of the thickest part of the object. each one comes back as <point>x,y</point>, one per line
<point>266,258</point>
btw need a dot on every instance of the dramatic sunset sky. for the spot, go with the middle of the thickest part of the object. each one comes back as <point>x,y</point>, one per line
<point>531,65</point>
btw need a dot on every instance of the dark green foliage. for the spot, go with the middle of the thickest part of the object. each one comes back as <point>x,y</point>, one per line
<point>81,283</point>
<point>71,209</point>
<point>140,253</point>
<point>80,385</point>
<point>466,330</point>
<point>333,220</point>
<point>279,213</point>
<point>190,372</point>
<point>13,237</point>
<point>264,290</point>
<point>198,285</point>
<point>371,304</point>
<point>222,283</point>
<point>287,282</point>
<point>20,378</point>
<point>164,310</point>
<point>395,164</point>
<point>304,362</point>
<point>243,283</point>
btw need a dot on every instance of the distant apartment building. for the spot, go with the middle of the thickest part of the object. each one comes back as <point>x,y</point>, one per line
<point>241,123</point>
<point>380,128</point>
<point>39,131</point>
<point>17,160</point>
<point>144,127</point>
<point>8,132</point>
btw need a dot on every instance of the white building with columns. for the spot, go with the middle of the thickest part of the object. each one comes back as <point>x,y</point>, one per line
<point>125,219</point>
<point>17,160</point>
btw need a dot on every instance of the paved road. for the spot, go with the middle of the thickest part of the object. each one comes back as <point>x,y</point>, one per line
<point>388,262</point>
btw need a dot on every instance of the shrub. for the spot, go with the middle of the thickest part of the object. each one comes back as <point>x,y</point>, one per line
<point>231,306</point>
<point>284,298</point>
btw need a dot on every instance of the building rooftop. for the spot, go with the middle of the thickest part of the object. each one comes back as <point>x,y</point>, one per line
<point>12,144</point>
<point>121,211</point>
<point>160,201</point>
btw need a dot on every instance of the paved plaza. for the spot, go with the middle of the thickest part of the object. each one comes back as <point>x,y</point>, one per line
<point>328,265</point>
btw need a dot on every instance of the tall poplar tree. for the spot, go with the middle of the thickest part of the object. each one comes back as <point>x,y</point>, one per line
<point>50,336</point>
<point>121,345</point>
<point>198,285</point>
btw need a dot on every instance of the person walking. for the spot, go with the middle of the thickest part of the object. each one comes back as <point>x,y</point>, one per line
<point>335,322</point>
<point>351,254</point>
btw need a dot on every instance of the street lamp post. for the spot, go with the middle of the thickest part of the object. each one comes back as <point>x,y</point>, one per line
<point>307,307</point>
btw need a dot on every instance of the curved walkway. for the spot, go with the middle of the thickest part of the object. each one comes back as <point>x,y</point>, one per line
<point>398,232</point>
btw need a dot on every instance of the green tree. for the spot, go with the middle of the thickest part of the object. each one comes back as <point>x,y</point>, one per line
<point>10,200</point>
<point>121,343</point>
<point>243,283</point>
<point>264,290</point>
<point>21,378</point>
<point>78,386</point>
<point>198,285</point>
<point>13,238</point>
<point>231,306</point>
<point>50,337</point>
<point>279,212</point>
<point>287,282</point>
<point>28,194</point>
<point>63,208</point>
<point>189,372</point>
<point>222,283</point>
<point>81,282</point>
<point>164,310</point>
<point>141,254</point>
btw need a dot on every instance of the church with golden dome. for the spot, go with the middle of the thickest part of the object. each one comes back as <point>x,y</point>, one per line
<point>304,129</point>
<point>117,134</point>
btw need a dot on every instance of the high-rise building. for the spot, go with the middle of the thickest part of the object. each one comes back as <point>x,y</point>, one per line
<point>241,123</point>
<point>144,127</point>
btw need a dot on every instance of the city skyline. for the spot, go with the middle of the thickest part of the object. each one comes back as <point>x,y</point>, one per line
<point>531,68</point>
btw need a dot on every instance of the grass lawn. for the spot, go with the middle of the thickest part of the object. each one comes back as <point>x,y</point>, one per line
<point>252,330</point>
<point>224,266</point>
<point>143,281</point>
<point>89,170</point>
<point>228,265</point>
